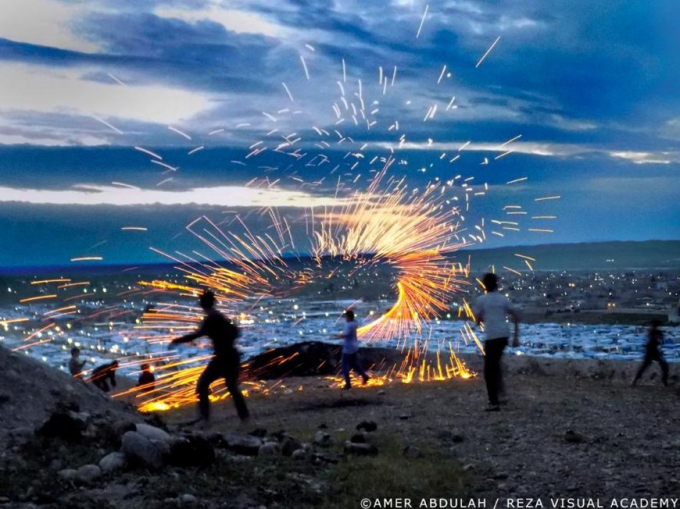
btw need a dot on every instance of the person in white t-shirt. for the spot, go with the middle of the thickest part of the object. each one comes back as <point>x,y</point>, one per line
<point>350,350</point>
<point>492,309</point>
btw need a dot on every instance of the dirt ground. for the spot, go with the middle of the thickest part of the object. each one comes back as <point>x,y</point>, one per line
<point>558,435</point>
<point>570,429</point>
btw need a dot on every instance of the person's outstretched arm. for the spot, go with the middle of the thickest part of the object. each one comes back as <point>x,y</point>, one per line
<point>191,336</point>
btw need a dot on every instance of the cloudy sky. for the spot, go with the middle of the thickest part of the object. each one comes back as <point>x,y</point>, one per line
<point>121,112</point>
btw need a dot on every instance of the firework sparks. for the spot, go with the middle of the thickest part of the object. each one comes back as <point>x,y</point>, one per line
<point>422,21</point>
<point>414,232</point>
<point>488,51</point>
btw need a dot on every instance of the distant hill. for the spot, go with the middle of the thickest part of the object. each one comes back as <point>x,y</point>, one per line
<point>620,255</point>
<point>652,254</point>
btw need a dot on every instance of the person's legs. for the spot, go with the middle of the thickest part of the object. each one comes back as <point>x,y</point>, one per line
<point>232,368</point>
<point>500,383</point>
<point>211,373</point>
<point>494,349</point>
<point>345,367</point>
<point>356,364</point>
<point>664,367</point>
<point>645,364</point>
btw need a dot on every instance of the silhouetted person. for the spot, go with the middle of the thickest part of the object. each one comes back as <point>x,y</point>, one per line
<point>75,365</point>
<point>226,361</point>
<point>350,350</point>
<point>146,381</point>
<point>492,310</point>
<point>653,352</point>
<point>102,375</point>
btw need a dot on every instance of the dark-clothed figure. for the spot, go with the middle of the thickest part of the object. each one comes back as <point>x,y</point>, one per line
<point>226,361</point>
<point>146,380</point>
<point>653,352</point>
<point>103,375</point>
<point>75,365</point>
<point>492,310</point>
<point>350,350</point>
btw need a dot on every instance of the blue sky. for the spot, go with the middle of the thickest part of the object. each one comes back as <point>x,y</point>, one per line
<point>591,87</point>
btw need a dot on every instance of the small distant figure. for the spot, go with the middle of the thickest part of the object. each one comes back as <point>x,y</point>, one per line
<point>75,365</point>
<point>350,350</point>
<point>653,352</point>
<point>226,362</point>
<point>146,381</point>
<point>492,310</point>
<point>102,375</point>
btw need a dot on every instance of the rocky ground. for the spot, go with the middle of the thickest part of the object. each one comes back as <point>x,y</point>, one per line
<point>572,428</point>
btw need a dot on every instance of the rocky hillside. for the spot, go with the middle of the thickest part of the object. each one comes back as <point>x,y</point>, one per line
<point>569,429</point>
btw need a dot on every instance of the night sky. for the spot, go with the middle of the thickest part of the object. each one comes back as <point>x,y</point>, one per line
<point>593,88</point>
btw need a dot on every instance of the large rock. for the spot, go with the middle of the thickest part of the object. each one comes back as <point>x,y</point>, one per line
<point>241,443</point>
<point>188,499</point>
<point>269,449</point>
<point>300,454</point>
<point>68,474</point>
<point>88,473</point>
<point>289,445</point>
<point>139,450</point>
<point>112,462</point>
<point>322,439</point>
<point>152,433</point>
<point>311,358</point>
<point>191,451</point>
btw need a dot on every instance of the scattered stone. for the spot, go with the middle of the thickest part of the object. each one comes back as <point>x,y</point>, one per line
<point>299,454</point>
<point>269,449</point>
<point>404,417</point>
<point>191,451</point>
<point>67,474</point>
<point>322,439</point>
<point>56,464</point>
<point>152,433</point>
<point>358,438</point>
<point>571,437</point>
<point>289,445</point>
<point>360,449</point>
<point>412,452</point>
<point>468,467</point>
<point>88,473</point>
<point>141,451</point>
<point>381,392</point>
<point>112,462</point>
<point>188,499</point>
<point>367,426</point>
<point>241,443</point>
